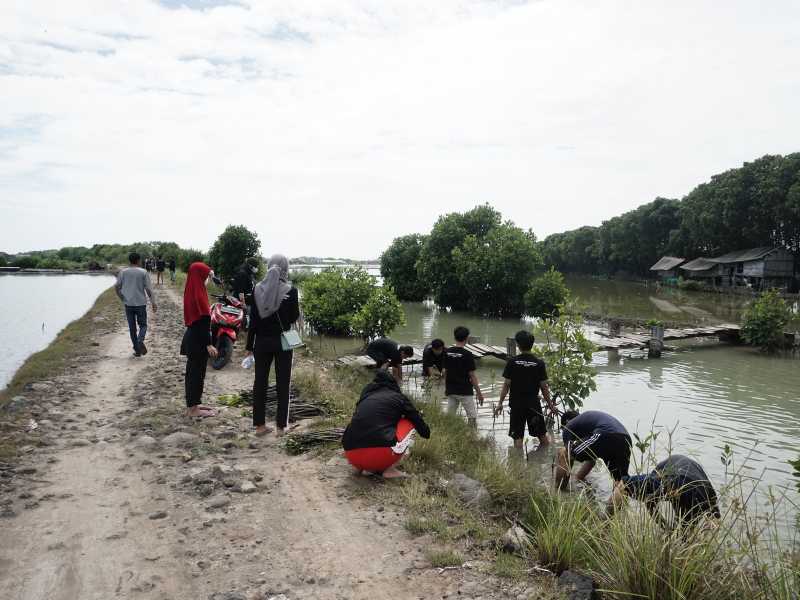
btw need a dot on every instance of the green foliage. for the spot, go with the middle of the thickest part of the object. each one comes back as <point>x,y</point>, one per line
<point>232,247</point>
<point>298,278</point>
<point>796,466</point>
<point>764,321</point>
<point>547,292</point>
<point>399,267</point>
<point>3,261</point>
<point>349,302</point>
<point>381,314</point>
<point>757,204</point>
<point>436,264</point>
<point>492,269</point>
<point>568,355</point>
<point>653,323</point>
<point>26,262</point>
<point>189,256</point>
<point>690,285</point>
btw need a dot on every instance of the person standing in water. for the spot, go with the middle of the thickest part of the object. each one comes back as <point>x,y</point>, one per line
<point>275,309</point>
<point>196,345</point>
<point>133,288</point>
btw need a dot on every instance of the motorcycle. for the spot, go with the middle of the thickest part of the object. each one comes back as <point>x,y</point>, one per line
<point>227,316</point>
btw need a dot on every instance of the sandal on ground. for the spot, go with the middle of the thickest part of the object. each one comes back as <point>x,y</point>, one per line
<point>263,432</point>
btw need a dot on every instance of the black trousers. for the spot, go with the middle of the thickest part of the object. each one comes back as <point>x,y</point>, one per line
<point>283,377</point>
<point>196,364</point>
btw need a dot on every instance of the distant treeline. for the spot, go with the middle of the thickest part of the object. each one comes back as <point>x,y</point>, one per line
<point>755,205</point>
<point>99,255</point>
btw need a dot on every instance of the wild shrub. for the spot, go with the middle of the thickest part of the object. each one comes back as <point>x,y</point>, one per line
<point>546,294</point>
<point>764,321</point>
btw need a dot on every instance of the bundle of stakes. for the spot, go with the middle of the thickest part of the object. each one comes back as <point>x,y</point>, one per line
<point>298,409</point>
<point>297,443</point>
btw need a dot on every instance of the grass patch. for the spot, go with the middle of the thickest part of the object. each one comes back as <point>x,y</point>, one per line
<point>71,341</point>
<point>444,557</point>
<point>422,525</point>
<point>509,566</point>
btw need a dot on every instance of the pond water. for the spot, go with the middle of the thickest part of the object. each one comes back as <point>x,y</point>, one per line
<point>698,397</point>
<point>37,307</point>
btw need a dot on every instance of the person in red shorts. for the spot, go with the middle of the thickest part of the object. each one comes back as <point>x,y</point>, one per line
<point>382,428</point>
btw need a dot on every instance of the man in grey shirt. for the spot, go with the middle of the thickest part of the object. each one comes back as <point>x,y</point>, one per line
<point>133,288</point>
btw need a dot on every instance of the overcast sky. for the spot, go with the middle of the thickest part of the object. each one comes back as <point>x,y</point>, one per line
<point>331,127</point>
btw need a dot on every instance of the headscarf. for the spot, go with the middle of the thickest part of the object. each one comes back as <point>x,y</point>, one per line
<point>271,291</point>
<point>195,295</point>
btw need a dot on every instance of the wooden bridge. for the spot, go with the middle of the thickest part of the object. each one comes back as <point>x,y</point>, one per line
<point>616,340</point>
<point>612,340</point>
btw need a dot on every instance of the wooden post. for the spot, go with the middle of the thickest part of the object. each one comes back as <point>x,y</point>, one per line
<point>614,327</point>
<point>511,347</point>
<point>655,346</point>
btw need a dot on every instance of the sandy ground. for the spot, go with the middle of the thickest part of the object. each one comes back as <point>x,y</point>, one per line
<point>117,495</point>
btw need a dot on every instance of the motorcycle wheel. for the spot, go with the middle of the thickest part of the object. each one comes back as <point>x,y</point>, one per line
<point>224,352</point>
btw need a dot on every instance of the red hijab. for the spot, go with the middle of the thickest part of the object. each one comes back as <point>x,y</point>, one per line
<point>195,295</point>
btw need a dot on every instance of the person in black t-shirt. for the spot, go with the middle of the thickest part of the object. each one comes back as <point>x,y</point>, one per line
<point>161,264</point>
<point>525,374</point>
<point>679,480</point>
<point>433,358</point>
<point>589,436</point>
<point>171,265</point>
<point>386,353</point>
<point>460,378</point>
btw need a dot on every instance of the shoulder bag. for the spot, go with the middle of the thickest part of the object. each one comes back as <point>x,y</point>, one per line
<point>289,339</point>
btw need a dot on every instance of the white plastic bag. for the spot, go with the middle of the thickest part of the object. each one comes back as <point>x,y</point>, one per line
<point>248,361</point>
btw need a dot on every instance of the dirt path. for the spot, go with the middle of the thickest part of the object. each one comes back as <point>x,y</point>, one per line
<point>119,496</point>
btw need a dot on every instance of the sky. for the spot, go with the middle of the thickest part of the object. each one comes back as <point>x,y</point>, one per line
<point>331,127</point>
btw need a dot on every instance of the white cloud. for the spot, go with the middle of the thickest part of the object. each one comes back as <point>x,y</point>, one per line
<point>331,127</point>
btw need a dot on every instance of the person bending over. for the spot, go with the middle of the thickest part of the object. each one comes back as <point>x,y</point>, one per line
<point>525,374</point>
<point>460,379</point>
<point>587,437</point>
<point>382,428</point>
<point>433,358</point>
<point>386,353</point>
<point>679,480</point>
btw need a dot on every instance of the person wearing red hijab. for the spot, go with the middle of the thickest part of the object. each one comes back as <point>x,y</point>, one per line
<point>196,345</point>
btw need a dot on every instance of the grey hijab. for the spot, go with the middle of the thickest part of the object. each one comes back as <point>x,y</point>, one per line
<point>271,291</point>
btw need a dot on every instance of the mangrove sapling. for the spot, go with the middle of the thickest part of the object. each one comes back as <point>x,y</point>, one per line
<point>300,442</point>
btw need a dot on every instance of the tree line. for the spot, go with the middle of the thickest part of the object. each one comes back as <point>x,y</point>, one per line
<point>472,261</point>
<point>757,204</point>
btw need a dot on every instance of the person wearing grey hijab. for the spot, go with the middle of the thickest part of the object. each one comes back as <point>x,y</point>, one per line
<point>276,308</point>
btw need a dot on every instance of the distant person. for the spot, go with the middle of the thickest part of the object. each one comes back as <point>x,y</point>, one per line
<point>196,345</point>
<point>160,266</point>
<point>243,284</point>
<point>386,353</point>
<point>525,375</point>
<point>460,378</point>
<point>588,437</point>
<point>172,266</point>
<point>275,309</point>
<point>433,358</point>
<point>679,480</point>
<point>133,288</point>
<point>382,428</point>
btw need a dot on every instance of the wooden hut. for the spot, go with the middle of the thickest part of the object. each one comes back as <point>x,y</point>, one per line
<point>757,268</point>
<point>704,269</point>
<point>667,267</point>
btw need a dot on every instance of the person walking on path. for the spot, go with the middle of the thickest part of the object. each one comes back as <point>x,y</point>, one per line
<point>460,379</point>
<point>196,344</point>
<point>133,288</point>
<point>382,428</point>
<point>275,309</point>
<point>525,374</point>
<point>171,266</point>
<point>161,264</point>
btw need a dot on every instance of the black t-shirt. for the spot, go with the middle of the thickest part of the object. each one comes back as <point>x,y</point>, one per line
<point>242,283</point>
<point>526,372</point>
<point>430,360</point>
<point>459,363</point>
<point>160,264</point>
<point>384,349</point>
<point>171,265</point>
<point>590,422</point>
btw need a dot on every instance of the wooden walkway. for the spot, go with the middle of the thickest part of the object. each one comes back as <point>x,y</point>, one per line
<point>478,351</point>
<point>640,339</point>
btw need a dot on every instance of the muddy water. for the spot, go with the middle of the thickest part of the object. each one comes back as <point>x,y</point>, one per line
<point>698,397</point>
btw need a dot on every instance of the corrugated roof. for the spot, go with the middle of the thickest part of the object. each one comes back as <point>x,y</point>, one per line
<point>666,263</point>
<point>743,255</point>
<point>699,264</point>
